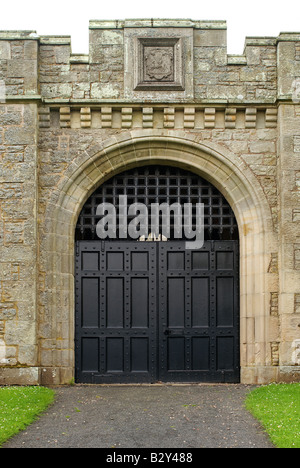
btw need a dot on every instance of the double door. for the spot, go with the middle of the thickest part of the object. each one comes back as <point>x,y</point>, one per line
<point>154,311</point>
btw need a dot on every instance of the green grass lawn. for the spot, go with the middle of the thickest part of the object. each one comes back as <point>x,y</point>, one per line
<point>277,407</point>
<point>20,406</point>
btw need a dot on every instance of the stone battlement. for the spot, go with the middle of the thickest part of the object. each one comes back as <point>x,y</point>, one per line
<point>112,69</point>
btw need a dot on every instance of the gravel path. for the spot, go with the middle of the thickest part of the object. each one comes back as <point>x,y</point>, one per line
<point>171,416</point>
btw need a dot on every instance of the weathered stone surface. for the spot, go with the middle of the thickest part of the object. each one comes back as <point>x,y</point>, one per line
<point>163,89</point>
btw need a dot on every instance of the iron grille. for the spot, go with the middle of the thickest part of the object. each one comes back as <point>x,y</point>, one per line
<point>160,184</point>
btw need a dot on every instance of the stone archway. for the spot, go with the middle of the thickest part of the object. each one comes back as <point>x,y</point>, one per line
<point>219,166</point>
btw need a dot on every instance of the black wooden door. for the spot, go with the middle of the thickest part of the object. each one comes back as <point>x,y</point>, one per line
<point>154,311</point>
<point>199,312</point>
<point>116,325</point>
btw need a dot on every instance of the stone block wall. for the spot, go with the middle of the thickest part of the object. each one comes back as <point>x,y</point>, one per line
<point>61,111</point>
<point>18,208</point>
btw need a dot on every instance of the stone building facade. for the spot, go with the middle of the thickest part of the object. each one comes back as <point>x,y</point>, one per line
<point>149,92</point>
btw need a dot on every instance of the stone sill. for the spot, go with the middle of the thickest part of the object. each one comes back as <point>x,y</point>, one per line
<point>23,97</point>
<point>236,60</point>
<point>173,102</point>
<point>156,23</point>
<point>136,103</point>
<point>18,35</point>
<point>80,58</point>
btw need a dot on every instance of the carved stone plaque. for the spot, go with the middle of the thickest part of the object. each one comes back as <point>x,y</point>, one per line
<point>159,64</point>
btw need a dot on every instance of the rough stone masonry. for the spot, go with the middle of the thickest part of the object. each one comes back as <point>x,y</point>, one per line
<point>149,90</point>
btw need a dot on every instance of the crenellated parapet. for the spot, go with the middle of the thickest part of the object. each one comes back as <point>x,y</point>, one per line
<point>150,60</point>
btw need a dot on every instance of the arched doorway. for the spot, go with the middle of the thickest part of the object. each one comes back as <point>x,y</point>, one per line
<point>156,311</point>
<point>226,171</point>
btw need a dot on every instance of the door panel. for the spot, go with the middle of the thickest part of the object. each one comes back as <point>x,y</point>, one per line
<point>175,302</point>
<point>225,301</point>
<point>90,302</point>
<point>140,302</point>
<point>200,353</point>
<point>200,306</point>
<point>115,304</point>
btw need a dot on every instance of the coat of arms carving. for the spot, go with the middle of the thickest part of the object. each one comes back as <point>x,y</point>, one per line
<point>159,64</point>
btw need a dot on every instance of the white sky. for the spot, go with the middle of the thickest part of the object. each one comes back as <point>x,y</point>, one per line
<point>71,17</point>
